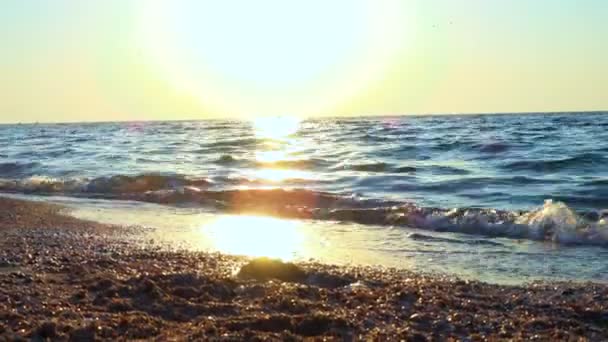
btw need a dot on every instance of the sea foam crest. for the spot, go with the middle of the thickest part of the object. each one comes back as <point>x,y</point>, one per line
<point>554,221</point>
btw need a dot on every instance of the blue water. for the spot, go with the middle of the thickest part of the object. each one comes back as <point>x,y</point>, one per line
<point>465,190</point>
<point>489,161</point>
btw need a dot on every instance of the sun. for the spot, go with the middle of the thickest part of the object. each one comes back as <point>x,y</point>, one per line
<point>270,57</point>
<point>276,127</point>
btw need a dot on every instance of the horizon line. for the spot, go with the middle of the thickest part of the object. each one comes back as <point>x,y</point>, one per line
<point>214,118</point>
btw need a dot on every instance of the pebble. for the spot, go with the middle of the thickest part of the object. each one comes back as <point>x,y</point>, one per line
<point>155,294</point>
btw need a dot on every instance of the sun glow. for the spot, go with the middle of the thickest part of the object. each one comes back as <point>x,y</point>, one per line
<point>255,236</point>
<point>278,127</point>
<point>269,57</point>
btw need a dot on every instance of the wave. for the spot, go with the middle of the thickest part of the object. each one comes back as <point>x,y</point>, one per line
<point>239,142</point>
<point>543,129</point>
<point>597,182</point>
<point>119,184</point>
<point>554,221</point>
<point>390,168</point>
<point>226,159</point>
<point>447,170</point>
<point>81,139</point>
<point>375,167</point>
<point>494,147</point>
<point>297,164</point>
<point>428,238</point>
<point>370,167</point>
<point>448,146</point>
<point>219,126</point>
<point>376,138</point>
<point>584,159</point>
<point>405,169</point>
<point>466,183</point>
<point>16,169</point>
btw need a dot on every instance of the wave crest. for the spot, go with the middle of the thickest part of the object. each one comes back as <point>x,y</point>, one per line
<point>554,221</point>
<point>584,159</point>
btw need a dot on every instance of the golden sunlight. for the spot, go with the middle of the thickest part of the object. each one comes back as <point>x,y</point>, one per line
<point>259,58</point>
<point>278,130</point>
<point>279,175</point>
<point>276,127</point>
<point>271,156</point>
<point>255,236</point>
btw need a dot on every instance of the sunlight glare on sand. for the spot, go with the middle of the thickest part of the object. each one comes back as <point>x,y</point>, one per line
<point>255,236</point>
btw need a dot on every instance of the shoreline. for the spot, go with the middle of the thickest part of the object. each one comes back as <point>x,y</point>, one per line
<point>552,222</point>
<point>64,278</point>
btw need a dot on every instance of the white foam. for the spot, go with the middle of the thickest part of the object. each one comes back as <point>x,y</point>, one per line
<point>554,221</point>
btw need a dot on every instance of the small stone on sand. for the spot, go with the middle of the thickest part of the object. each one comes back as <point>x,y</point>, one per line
<point>263,269</point>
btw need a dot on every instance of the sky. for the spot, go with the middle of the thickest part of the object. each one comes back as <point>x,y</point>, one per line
<point>71,60</point>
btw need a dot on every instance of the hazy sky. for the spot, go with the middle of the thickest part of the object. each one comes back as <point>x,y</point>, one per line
<point>72,60</point>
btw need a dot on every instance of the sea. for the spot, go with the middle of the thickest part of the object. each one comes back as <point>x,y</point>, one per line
<point>502,198</point>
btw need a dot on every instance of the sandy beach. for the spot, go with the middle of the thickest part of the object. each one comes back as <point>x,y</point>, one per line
<point>63,278</point>
<point>304,170</point>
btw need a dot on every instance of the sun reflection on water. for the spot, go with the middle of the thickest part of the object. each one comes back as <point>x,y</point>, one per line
<point>271,156</point>
<point>274,161</point>
<point>279,175</point>
<point>255,236</point>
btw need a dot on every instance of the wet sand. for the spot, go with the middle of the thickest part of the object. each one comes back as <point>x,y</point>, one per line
<point>66,279</point>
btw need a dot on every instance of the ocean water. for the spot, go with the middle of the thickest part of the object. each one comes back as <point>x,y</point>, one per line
<point>515,185</point>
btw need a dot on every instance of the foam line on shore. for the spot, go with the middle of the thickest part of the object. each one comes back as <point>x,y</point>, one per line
<point>553,221</point>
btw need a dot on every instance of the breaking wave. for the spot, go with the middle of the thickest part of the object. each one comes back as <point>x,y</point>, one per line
<point>554,221</point>
<point>114,185</point>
